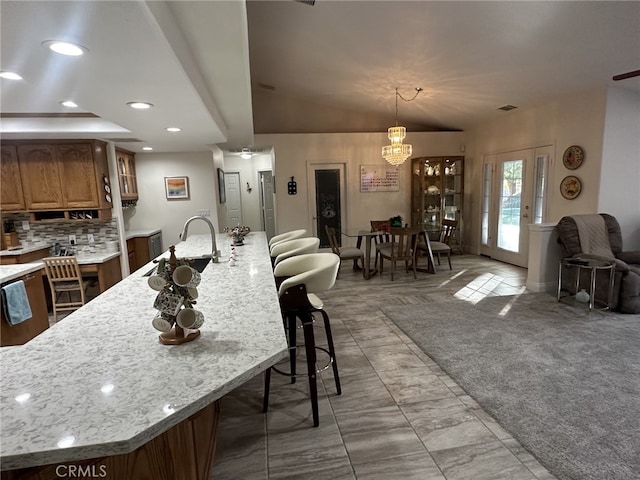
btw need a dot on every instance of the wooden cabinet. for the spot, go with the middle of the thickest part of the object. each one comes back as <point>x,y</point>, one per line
<point>40,174</point>
<point>437,189</point>
<point>11,195</point>
<point>131,252</point>
<point>138,249</point>
<point>76,168</point>
<point>56,176</point>
<point>126,164</point>
<point>39,321</point>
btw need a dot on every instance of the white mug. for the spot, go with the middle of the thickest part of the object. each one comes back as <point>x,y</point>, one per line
<point>163,322</point>
<point>190,318</point>
<point>156,282</point>
<point>185,276</point>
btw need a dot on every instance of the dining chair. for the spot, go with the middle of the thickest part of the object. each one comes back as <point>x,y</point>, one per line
<point>442,246</point>
<point>345,253</point>
<point>384,239</point>
<point>291,248</point>
<point>293,234</point>
<point>64,276</point>
<point>299,279</point>
<point>403,246</point>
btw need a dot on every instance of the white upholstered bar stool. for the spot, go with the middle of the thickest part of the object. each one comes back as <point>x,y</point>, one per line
<point>293,234</point>
<point>304,276</point>
<point>291,248</point>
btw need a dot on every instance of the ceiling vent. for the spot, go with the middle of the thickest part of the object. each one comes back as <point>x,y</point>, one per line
<point>307,2</point>
<point>506,108</point>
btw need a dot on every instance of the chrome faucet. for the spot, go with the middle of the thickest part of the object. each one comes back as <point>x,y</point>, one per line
<point>214,249</point>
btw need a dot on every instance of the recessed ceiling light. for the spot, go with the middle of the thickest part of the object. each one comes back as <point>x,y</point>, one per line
<point>10,75</point>
<point>65,48</point>
<point>69,104</point>
<point>173,129</point>
<point>148,149</point>
<point>140,105</point>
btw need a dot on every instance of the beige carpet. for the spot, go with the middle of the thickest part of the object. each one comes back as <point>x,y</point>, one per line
<point>563,382</point>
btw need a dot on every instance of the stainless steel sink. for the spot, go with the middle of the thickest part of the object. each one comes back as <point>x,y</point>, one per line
<point>198,264</point>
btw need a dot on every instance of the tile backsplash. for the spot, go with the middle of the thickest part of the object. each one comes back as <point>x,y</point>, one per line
<point>58,232</point>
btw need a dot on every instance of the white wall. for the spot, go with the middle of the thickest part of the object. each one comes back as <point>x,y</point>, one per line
<point>577,119</point>
<point>620,168</point>
<point>155,211</point>
<point>293,152</point>
<point>248,169</point>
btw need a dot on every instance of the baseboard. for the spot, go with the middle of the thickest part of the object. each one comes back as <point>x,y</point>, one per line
<point>537,287</point>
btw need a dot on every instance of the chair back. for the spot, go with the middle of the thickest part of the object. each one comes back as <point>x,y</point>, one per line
<point>317,271</point>
<point>287,236</point>
<point>333,239</point>
<point>62,269</point>
<point>448,229</point>
<point>291,248</point>
<point>381,226</point>
<point>404,241</point>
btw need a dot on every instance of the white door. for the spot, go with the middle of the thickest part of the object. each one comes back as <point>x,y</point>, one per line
<point>508,185</point>
<point>267,204</point>
<point>322,209</point>
<point>234,200</point>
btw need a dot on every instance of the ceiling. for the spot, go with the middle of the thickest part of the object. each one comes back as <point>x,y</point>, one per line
<point>224,70</point>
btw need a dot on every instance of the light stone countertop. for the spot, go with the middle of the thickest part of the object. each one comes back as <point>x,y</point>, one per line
<point>141,232</point>
<point>11,272</point>
<point>23,250</point>
<point>99,383</point>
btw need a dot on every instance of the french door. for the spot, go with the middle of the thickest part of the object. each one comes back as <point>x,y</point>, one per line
<point>514,192</point>
<point>508,186</point>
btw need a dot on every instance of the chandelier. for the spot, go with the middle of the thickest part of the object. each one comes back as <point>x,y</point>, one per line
<point>398,152</point>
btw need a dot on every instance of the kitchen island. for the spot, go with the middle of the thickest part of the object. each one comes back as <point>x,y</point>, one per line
<point>99,385</point>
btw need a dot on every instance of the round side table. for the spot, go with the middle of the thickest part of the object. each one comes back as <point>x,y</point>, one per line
<point>593,265</point>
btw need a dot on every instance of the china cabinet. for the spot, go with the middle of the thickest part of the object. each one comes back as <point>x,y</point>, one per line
<point>126,164</point>
<point>437,189</point>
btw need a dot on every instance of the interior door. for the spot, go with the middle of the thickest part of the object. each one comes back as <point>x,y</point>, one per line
<point>326,199</point>
<point>267,204</point>
<point>234,199</point>
<point>506,207</point>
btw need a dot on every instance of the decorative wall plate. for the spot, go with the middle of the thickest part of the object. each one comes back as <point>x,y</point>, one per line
<point>573,157</point>
<point>570,187</point>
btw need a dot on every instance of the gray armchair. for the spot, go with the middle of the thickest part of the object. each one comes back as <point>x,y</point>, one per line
<point>626,289</point>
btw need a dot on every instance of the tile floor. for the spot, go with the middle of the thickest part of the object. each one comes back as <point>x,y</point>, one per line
<point>399,416</point>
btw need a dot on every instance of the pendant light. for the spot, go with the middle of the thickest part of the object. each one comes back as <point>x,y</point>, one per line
<point>398,152</point>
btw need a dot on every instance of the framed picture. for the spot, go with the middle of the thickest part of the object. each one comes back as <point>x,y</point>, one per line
<point>221,190</point>
<point>176,188</point>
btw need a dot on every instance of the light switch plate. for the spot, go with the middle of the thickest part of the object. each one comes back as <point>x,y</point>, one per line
<point>25,225</point>
<point>90,238</point>
<point>72,239</point>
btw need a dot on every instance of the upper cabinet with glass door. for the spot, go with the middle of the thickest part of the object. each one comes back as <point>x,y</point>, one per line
<point>436,192</point>
<point>126,165</point>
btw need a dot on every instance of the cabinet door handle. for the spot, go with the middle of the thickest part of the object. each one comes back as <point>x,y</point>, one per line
<point>29,277</point>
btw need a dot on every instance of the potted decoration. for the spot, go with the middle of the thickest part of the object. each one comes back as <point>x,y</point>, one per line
<point>395,221</point>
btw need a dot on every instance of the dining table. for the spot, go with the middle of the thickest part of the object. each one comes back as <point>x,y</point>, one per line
<point>369,236</point>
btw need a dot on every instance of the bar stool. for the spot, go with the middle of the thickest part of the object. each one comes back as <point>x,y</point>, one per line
<point>291,248</point>
<point>293,234</point>
<point>306,275</point>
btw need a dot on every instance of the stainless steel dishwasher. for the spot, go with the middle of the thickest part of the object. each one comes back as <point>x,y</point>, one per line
<point>155,245</point>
